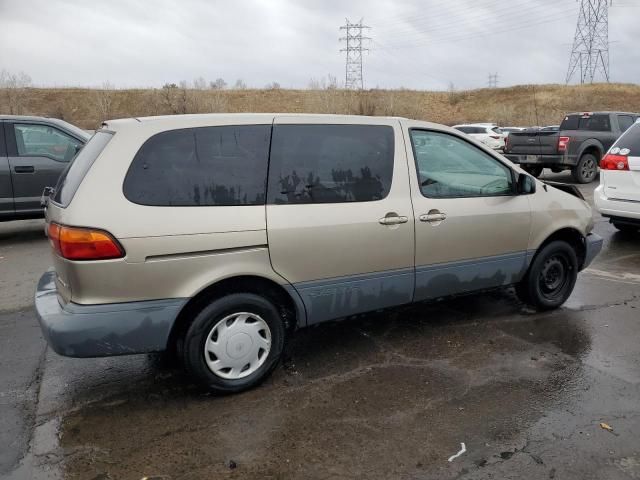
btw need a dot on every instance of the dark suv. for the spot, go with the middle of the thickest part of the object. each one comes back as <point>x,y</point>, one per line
<point>579,145</point>
<point>33,153</point>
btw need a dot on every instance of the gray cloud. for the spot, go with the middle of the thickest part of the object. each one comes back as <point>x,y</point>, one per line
<point>416,44</point>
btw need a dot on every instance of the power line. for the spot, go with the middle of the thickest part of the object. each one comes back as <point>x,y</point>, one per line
<point>590,50</point>
<point>493,80</point>
<point>354,47</point>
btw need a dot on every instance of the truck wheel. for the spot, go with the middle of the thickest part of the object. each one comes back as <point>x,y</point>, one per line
<point>234,343</point>
<point>534,170</point>
<point>551,277</point>
<point>586,169</point>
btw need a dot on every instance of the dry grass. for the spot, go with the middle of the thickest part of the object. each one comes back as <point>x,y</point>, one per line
<point>506,106</point>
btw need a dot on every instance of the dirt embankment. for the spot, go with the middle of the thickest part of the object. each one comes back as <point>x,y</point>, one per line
<point>521,105</point>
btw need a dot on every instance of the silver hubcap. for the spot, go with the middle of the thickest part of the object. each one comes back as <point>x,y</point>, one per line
<point>237,345</point>
<point>588,168</point>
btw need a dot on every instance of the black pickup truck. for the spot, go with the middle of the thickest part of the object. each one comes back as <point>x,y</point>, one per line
<point>578,146</point>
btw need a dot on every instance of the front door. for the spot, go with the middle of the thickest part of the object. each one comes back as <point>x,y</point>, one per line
<point>472,229</point>
<point>38,154</point>
<point>339,217</point>
<point>6,190</point>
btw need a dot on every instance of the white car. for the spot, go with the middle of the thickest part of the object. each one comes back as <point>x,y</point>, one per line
<point>487,133</point>
<point>618,196</point>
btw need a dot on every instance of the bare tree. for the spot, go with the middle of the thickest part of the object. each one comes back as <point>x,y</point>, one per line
<point>240,85</point>
<point>199,84</point>
<point>104,100</point>
<point>14,86</point>
<point>273,86</point>
<point>219,84</point>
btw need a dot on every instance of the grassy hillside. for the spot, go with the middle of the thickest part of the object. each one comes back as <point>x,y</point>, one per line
<point>505,106</point>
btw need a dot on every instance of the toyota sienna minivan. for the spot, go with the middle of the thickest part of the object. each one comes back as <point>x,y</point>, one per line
<point>216,236</point>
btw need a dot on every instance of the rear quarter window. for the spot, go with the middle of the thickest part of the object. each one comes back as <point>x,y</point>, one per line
<point>75,172</point>
<point>204,166</point>
<point>631,140</point>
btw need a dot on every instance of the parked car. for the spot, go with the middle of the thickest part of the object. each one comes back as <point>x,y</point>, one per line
<point>489,134</point>
<point>217,235</point>
<point>33,153</point>
<point>618,195</point>
<point>578,145</point>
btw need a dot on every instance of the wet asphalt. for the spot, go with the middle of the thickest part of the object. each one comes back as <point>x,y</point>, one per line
<point>386,395</point>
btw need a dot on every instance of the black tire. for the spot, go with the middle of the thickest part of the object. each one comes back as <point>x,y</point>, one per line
<point>534,170</point>
<point>551,276</point>
<point>626,228</point>
<point>193,342</point>
<point>586,170</point>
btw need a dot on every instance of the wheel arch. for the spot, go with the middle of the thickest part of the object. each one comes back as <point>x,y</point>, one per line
<point>285,298</point>
<point>570,235</point>
<point>591,146</point>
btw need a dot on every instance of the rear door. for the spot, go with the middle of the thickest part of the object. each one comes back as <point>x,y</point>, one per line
<point>6,190</point>
<point>38,153</point>
<point>339,217</point>
<point>472,230</point>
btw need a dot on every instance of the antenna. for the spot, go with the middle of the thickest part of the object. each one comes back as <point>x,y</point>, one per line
<point>590,50</point>
<point>354,47</point>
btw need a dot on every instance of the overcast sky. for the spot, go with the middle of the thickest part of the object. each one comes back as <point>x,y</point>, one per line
<point>422,44</point>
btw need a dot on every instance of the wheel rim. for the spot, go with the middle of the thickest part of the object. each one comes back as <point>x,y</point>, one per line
<point>237,345</point>
<point>554,276</point>
<point>588,169</point>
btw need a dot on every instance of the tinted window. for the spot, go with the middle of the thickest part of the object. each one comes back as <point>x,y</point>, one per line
<point>631,140</point>
<point>624,122</point>
<point>330,163</point>
<point>595,123</point>
<point>72,176</point>
<point>570,122</point>
<point>466,129</point>
<point>44,141</point>
<point>450,167</point>
<point>201,166</point>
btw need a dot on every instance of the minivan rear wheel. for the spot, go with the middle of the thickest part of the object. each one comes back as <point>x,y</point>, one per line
<point>551,276</point>
<point>234,343</point>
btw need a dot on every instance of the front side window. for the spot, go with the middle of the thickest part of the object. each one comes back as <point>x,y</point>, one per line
<point>34,140</point>
<point>624,122</point>
<point>449,167</point>
<point>330,163</point>
<point>201,167</point>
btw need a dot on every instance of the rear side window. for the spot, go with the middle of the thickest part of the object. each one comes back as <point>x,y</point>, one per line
<point>330,163</point>
<point>72,176</point>
<point>595,123</point>
<point>630,140</point>
<point>624,122</point>
<point>203,166</point>
<point>570,122</point>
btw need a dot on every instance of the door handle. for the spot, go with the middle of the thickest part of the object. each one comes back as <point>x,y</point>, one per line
<point>433,217</point>
<point>393,220</point>
<point>24,169</point>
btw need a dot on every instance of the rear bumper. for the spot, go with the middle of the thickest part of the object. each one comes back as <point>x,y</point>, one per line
<point>546,160</point>
<point>593,244</point>
<point>627,210</point>
<point>75,330</point>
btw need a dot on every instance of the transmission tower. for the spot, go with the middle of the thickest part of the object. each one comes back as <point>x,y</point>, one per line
<point>590,53</point>
<point>354,47</point>
<point>493,80</point>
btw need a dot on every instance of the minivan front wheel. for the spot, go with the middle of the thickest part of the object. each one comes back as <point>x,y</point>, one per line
<point>551,276</point>
<point>234,343</point>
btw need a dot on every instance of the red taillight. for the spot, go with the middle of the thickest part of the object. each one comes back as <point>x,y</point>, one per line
<point>614,162</point>
<point>75,243</point>
<point>563,143</point>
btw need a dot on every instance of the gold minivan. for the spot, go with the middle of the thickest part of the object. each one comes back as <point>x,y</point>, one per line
<point>216,236</point>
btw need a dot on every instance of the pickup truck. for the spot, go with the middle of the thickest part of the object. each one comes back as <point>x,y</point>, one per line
<point>33,153</point>
<point>580,143</point>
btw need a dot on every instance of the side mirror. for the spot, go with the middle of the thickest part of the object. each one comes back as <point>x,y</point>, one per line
<point>525,185</point>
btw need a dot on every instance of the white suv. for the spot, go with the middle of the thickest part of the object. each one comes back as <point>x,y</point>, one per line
<point>618,196</point>
<point>489,134</point>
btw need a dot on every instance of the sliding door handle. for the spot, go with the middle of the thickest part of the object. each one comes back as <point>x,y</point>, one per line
<point>433,217</point>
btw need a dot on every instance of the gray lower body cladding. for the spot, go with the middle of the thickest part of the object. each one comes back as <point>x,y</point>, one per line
<point>76,330</point>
